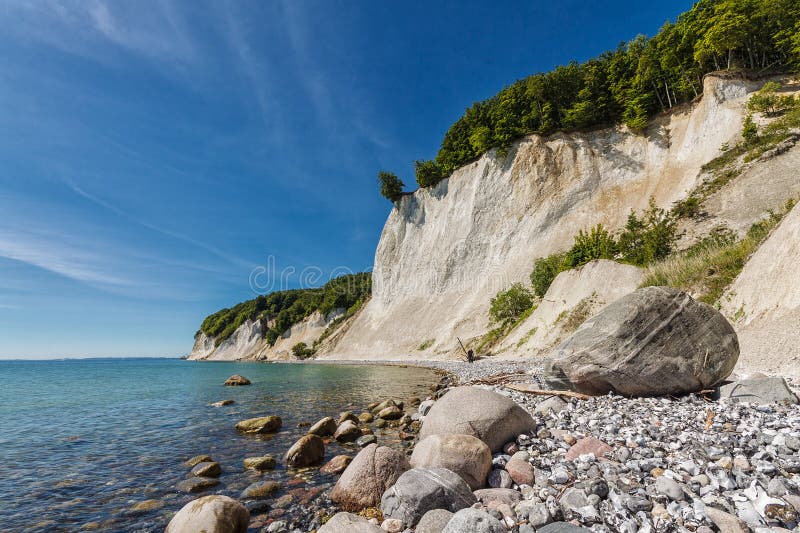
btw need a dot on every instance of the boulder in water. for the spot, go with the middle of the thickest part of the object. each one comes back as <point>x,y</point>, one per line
<point>260,424</point>
<point>337,465</point>
<point>308,450</point>
<point>654,341</point>
<point>210,514</point>
<point>324,428</point>
<point>265,462</point>
<point>347,432</point>
<point>236,380</point>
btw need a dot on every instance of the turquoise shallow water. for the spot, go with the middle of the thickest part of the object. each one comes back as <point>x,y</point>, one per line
<point>83,441</point>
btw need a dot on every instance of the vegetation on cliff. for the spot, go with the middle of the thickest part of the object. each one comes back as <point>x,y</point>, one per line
<point>630,84</point>
<point>279,310</point>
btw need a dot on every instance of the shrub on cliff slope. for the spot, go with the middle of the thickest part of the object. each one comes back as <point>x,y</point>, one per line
<point>391,186</point>
<point>508,305</point>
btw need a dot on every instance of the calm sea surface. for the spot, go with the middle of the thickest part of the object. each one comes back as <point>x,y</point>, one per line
<point>83,441</point>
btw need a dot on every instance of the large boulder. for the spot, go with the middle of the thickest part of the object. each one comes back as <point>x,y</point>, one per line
<point>236,380</point>
<point>423,489</point>
<point>759,390</point>
<point>486,415</point>
<point>467,456</point>
<point>474,521</point>
<point>654,341</point>
<point>433,521</point>
<point>210,514</point>
<point>308,450</point>
<point>349,523</point>
<point>366,478</point>
<point>260,424</point>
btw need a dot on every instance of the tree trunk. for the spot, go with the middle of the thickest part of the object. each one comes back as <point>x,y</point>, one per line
<point>668,98</point>
<point>655,90</point>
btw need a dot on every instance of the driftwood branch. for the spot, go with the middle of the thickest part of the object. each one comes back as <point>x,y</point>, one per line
<point>542,392</point>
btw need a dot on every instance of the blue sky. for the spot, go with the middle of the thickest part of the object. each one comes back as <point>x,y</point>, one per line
<point>154,153</point>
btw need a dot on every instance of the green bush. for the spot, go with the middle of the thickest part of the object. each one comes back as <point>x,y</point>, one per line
<point>391,186</point>
<point>509,305</point>
<point>597,243</point>
<point>749,130</point>
<point>647,238</point>
<point>428,173</point>
<point>545,270</point>
<point>768,102</point>
<point>302,351</point>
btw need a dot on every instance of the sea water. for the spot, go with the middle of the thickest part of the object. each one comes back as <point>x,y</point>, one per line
<point>83,441</point>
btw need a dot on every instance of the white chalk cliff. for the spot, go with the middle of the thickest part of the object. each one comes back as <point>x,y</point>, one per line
<point>445,251</point>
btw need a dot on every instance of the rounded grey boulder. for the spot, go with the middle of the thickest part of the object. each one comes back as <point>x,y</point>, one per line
<point>349,523</point>
<point>474,521</point>
<point>367,477</point>
<point>211,514</point>
<point>433,521</point>
<point>484,414</point>
<point>651,342</point>
<point>467,456</point>
<point>423,489</point>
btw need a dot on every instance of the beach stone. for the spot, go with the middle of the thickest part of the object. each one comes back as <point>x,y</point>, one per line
<point>381,423</point>
<point>420,490</point>
<point>474,521</point>
<point>336,465</point>
<point>500,479</point>
<point>324,428</point>
<point>349,523</point>
<point>347,432</point>
<point>562,527</point>
<point>347,415</point>
<point>392,525</point>
<point>207,469</point>
<point>669,488</point>
<point>554,404</point>
<point>654,341</point>
<point>147,505</point>
<point>391,412</point>
<point>434,521</point>
<point>366,440</point>
<point>763,390</point>
<point>508,497</point>
<point>520,470</point>
<point>366,478</point>
<point>465,455</point>
<point>261,489</point>
<point>236,380</point>
<point>266,462</point>
<point>486,415</point>
<point>308,450</point>
<point>260,424</point>
<point>197,459</point>
<point>196,484</point>
<point>221,403</point>
<point>366,418</point>
<point>726,522</point>
<point>589,445</point>
<point>210,514</point>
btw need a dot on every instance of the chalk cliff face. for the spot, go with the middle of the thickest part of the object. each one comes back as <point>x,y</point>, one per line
<point>445,251</point>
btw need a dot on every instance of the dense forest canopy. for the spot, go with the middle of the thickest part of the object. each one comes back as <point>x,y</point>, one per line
<point>281,309</point>
<point>629,84</point>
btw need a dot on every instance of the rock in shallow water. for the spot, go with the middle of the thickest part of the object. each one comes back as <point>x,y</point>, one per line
<point>486,415</point>
<point>236,380</point>
<point>654,341</point>
<point>308,450</point>
<point>196,484</point>
<point>210,514</point>
<point>370,473</point>
<point>347,432</point>
<point>263,463</point>
<point>260,424</point>
<point>423,489</point>
<point>261,489</point>
<point>465,455</point>
<point>337,465</point>
<point>324,428</point>
<point>207,469</point>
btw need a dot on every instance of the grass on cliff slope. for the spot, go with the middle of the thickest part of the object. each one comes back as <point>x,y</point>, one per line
<point>709,267</point>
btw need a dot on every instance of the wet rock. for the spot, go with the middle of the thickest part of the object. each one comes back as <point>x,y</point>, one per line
<point>391,412</point>
<point>654,341</point>
<point>261,489</point>
<point>465,455</point>
<point>337,465</point>
<point>196,484</point>
<point>347,415</point>
<point>347,432</point>
<point>198,459</point>
<point>366,440</point>
<point>207,469</point>
<point>371,472</point>
<point>349,523</point>
<point>308,450</point>
<point>260,424</point>
<point>589,445</point>
<point>381,423</point>
<point>434,521</point>
<point>147,505</point>
<point>486,415</point>
<point>420,490</point>
<point>210,514</point>
<point>366,418</point>
<point>324,428</point>
<point>221,403</point>
<point>762,390</point>
<point>236,380</point>
<point>474,521</point>
<point>263,463</point>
